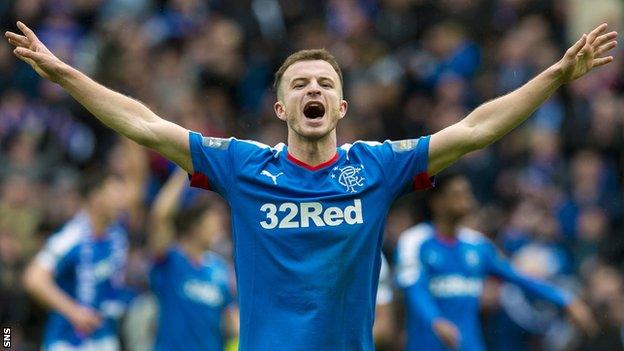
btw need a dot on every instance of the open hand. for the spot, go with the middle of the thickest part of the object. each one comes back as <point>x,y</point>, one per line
<point>587,53</point>
<point>31,50</point>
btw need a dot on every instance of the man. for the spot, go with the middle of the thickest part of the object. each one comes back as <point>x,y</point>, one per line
<point>442,267</point>
<point>191,283</point>
<point>308,217</point>
<point>80,271</point>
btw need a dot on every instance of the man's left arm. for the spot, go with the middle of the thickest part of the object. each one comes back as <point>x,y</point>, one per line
<point>492,120</point>
<point>574,307</point>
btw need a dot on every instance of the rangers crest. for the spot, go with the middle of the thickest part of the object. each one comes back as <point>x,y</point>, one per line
<point>349,177</point>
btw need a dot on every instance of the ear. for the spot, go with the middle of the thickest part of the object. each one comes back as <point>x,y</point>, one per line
<point>344,106</point>
<point>280,110</point>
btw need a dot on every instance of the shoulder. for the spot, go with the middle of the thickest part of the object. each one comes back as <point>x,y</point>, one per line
<point>232,143</point>
<point>417,233</point>
<point>361,145</point>
<point>250,148</point>
<point>63,244</point>
<point>476,239</point>
<point>472,236</point>
<point>411,240</point>
<point>69,236</point>
<point>387,147</point>
<point>215,260</point>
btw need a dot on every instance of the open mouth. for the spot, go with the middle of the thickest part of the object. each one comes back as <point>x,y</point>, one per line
<point>313,110</point>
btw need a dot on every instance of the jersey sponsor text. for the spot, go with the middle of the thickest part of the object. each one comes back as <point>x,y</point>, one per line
<point>306,214</point>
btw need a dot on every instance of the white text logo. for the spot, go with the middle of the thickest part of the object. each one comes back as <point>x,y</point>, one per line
<point>305,214</point>
<point>455,285</point>
<point>203,292</point>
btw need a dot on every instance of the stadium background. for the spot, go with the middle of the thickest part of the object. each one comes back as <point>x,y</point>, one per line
<point>551,193</point>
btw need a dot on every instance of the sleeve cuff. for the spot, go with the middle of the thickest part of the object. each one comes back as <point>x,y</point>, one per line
<point>423,181</point>
<point>200,180</point>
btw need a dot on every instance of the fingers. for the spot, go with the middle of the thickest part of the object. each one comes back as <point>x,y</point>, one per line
<point>605,38</point>
<point>601,61</point>
<point>24,53</point>
<point>594,33</point>
<point>16,39</point>
<point>604,48</point>
<point>576,48</point>
<point>29,33</point>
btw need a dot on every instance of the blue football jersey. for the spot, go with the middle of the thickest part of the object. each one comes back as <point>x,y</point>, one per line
<point>192,297</point>
<point>444,278</point>
<point>307,239</point>
<point>91,271</point>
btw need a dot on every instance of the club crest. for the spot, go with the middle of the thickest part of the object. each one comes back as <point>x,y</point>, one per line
<point>349,177</point>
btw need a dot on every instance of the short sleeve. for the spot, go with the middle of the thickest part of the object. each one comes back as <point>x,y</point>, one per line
<point>211,162</point>
<point>409,266</point>
<point>406,163</point>
<point>59,251</point>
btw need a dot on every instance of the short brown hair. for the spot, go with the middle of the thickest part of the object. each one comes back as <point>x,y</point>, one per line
<point>306,55</point>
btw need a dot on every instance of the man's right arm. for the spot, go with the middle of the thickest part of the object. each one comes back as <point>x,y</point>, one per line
<point>39,282</point>
<point>123,114</point>
<point>162,231</point>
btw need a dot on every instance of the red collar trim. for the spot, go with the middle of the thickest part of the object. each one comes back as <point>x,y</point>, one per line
<point>446,240</point>
<point>312,168</point>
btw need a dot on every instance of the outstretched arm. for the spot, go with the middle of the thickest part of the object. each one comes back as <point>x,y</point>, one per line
<point>575,308</point>
<point>492,120</point>
<point>119,112</point>
<point>161,231</point>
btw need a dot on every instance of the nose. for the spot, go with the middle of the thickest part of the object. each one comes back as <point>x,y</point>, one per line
<point>314,89</point>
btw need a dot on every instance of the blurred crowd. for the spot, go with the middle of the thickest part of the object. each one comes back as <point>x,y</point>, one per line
<point>551,193</point>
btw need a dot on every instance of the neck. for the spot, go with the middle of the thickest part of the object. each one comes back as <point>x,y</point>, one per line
<point>98,222</point>
<point>312,152</point>
<point>192,250</point>
<point>446,228</point>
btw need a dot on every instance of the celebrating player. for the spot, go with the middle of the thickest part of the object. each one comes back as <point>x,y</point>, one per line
<point>190,282</point>
<point>442,266</point>
<point>79,272</point>
<point>308,217</point>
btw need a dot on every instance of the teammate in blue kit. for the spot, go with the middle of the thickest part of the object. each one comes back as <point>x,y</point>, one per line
<point>308,217</point>
<point>442,266</point>
<point>191,283</point>
<point>79,273</point>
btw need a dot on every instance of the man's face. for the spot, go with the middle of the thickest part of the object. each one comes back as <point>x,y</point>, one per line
<point>310,99</point>
<point>207,230</point>
<point>456,200</point>
<point>110,199</point>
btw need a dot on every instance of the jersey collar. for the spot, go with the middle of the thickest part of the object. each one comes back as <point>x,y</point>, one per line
<point>300,163</point>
